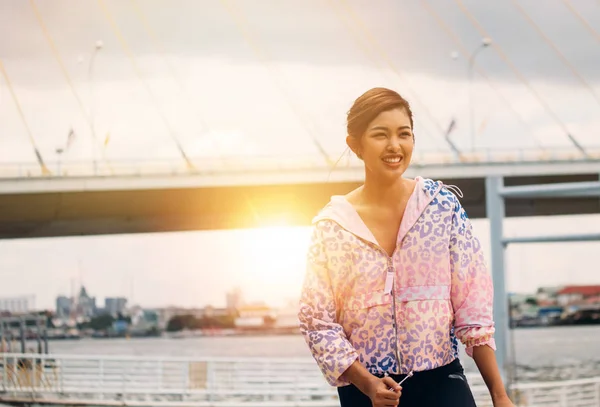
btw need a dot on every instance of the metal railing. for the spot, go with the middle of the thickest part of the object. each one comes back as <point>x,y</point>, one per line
<point>143,381</point>
<point>286,162</point>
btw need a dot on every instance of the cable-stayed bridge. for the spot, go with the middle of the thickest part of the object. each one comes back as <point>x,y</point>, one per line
<point>129,116</point>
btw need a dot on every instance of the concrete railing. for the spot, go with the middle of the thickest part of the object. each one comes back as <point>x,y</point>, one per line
<point>249,164</point>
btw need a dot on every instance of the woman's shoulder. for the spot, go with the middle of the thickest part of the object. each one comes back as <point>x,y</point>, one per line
<point>439,189</point>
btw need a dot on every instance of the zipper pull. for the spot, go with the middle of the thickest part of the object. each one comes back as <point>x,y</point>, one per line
<point>389,280</point>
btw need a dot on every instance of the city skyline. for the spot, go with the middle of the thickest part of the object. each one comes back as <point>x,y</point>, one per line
<point>195,269</point>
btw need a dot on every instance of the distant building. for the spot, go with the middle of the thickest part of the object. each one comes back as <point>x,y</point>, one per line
<point>63,306</point>
<point>287,317</point>
<point>212,312</point>
<point>547,295</point>
<point>144,319</point>
<point>577,294</point>
<point>115,305</point>
<point>234,300</point>
<point>86,305</point>
<point>17,305</point>
<point>254,316</point>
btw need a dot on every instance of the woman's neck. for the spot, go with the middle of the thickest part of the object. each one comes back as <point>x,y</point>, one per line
<point>386,192</point>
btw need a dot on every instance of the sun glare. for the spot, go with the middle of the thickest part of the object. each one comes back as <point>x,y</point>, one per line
<point>275,256</point>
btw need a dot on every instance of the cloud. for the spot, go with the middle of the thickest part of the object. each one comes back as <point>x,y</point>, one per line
<point>339,32</point>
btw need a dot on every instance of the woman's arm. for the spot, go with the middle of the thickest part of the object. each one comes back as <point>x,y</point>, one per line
<point>317,315</point>
<point>472,297</point>
<point>485,359</point>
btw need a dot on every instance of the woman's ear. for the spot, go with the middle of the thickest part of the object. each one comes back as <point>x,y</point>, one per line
<point>354,145</point>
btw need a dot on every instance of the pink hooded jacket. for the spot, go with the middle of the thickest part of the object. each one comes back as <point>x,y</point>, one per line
<point>400,313</point>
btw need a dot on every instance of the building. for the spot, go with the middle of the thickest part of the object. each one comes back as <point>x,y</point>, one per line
<point>86,305</point>
<point>287,317</point>
<point>17,305</point>
<point>115,305</point>
<point>213,312</point>
<point>547,295</point>
<point>234,300</point>
<point>63,307</point>
<point>254,316</point>
<point>577,294</point>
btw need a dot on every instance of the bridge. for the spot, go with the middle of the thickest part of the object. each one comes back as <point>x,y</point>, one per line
<point>144,197</point>
<point>147,127</point>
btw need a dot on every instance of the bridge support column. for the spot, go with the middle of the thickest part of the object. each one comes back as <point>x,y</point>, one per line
<point>496,193</point>
<point>495,213</point>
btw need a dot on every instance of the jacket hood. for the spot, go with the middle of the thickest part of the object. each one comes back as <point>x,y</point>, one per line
<point>343,213</point>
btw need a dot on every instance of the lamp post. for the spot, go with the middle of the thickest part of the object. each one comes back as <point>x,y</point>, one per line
<point>485,42</point>
<point>59,151</point>
<point>97,47</point>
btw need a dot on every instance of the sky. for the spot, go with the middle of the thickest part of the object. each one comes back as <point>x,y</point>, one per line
<point>275,79</point>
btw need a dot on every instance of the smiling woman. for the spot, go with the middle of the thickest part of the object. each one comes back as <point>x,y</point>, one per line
<point>396,278</point>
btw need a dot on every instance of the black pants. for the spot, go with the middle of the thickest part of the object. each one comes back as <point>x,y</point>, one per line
<point>445,386</point>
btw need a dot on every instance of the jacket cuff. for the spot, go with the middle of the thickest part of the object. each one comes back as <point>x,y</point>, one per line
<point>484,340</point>
<point>334,368</point>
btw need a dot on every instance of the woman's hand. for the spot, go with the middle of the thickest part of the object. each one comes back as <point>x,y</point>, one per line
<point>384,392</point>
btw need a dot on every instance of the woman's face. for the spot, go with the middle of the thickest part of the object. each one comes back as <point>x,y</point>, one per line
<point>386,146</point>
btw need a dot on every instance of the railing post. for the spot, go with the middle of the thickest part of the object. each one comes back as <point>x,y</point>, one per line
<point>101,371</point>
<point>563,396</point>
<point>161,368</point>
<point>209,380</point>
<point>186,379</point>
<point>4,371</point>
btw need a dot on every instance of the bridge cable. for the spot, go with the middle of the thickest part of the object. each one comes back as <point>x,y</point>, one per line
<point>463,49</point>
<point>67,76</point>
<point>582,20</point>
<point>160,49</point>
<point>383,54</point>
<point>38,155</point>
<point>139,74</point>
<point>561,56</point>
<point>366,50</point>
<point>244,29</point>
<point>519,75</point>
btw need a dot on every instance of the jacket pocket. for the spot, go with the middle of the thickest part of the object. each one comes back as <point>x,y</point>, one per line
<point>359,302</point>
<point>367,323</point>
<point>423,293</point>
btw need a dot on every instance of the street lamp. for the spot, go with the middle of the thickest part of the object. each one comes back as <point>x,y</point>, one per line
<point>59,151</point>
<point>485,42</point>
<point>97,47</point>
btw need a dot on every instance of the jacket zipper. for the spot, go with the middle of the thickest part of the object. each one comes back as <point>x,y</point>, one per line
<point>390,266</point>
<point>394,322</point>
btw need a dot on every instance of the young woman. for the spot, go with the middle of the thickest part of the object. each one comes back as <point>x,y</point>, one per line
<point>395,278</point>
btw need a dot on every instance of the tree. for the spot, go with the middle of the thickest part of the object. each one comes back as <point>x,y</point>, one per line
<point>531,301</point>
<point>180,322</point>
<point>101,322</point>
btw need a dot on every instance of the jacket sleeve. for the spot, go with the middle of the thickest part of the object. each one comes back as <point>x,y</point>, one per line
<point>317,315</point>
<point>472,291</point>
